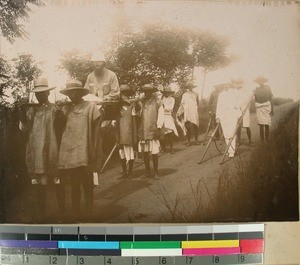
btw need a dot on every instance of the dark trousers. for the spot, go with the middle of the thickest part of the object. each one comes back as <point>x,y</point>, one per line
<point>80,176</point>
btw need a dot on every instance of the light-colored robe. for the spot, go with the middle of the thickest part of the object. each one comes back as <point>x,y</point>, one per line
<point>228,111</point>
<point>189,107</point>
<point>169,124</point>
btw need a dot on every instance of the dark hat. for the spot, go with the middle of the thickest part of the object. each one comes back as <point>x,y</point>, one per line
<point>74,84</point>
<point>40,85</point>
<point>167,90</point>
<point>126,88</point>
<point>148,87</point>
<point>261,79</point>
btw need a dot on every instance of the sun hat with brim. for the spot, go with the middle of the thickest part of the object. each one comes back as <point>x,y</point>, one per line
<point>74,85</point>
<point>167,90</point>
<point>148,87</point>
<point>98,57</point>
<point>41,85</point>
<point>188,85</point>
<point>261,79</point>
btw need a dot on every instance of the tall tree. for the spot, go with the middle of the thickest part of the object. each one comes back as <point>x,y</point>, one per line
<point>210,53</point>
<point>11,12</point>
<point>76,64</point>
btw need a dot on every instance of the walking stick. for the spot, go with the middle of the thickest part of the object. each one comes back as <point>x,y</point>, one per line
<point>239,122</point>
<point>209,142</point>
<point>108,158</point>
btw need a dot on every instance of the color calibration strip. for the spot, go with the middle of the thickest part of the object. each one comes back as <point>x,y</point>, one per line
<point>204,244</point>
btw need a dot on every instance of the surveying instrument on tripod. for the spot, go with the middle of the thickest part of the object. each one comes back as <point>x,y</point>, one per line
<point>213,138</point>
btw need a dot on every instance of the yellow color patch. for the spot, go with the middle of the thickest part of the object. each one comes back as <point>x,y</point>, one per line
<point>210,244</point>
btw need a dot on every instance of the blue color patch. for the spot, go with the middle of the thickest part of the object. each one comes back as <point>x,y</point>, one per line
<point>88,245</point>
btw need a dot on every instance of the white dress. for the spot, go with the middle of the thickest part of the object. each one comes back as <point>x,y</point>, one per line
<point>169,124</point>
<point>189,107</point>
<point>228,111</point>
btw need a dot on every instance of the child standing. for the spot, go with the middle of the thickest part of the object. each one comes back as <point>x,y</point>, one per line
<point>127,131</point>
<point>149,132</point>
<point>78,144</point>
<point>169,125</point>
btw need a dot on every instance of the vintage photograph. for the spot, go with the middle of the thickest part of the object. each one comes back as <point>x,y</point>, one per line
<point>140,111</point>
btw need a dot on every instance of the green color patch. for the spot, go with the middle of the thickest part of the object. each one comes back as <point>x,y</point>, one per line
<point>150,245</point>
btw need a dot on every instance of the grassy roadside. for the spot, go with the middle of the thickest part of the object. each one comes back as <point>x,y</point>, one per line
<point>260,186</point>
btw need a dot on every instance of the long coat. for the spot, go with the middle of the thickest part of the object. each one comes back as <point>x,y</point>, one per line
<point>151,118</point>
<point>78,140</point>
<point>42,145</point>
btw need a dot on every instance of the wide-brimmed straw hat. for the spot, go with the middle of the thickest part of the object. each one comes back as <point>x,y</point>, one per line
<point>126,88</point>
<point>261,79</point>
<point>148,87</point>
<point>74,84</point>
<point>98,57</point>
<point>167,90</point>
<point>41,85</point>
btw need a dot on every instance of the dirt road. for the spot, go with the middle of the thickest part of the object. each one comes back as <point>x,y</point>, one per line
<point>140,200</point>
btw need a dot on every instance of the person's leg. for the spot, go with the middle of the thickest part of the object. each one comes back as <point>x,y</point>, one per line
<point>249,135</point>
<point>130,164</point>
<point>238,136</point>
<point>155,166</point>
<point>195,127</point>
<point>261,132</point>
<point>267,131</point>
<point>163,144</point>
<point>147,164</point>
<point>170,138</point>
<point>41,199</point>
<point>60,191</point>
<point>75,179</point>
<point>124,168</point>
<point>188,133</point>
<point>88,188</point>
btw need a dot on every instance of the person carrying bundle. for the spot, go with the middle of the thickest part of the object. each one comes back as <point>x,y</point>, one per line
<point>41,124</point>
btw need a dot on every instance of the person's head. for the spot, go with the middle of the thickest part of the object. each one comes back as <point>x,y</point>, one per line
<point>42,97</point>
<point>75,95</point>
<point>261,80</point>
<point>41,89</point>
<point>189,86</point>
<point>237,83</point>
<point>148,90</point>
<point>167,92</point>
<point>98,61</point>
<point>126,91</point>
<point>74,90</point>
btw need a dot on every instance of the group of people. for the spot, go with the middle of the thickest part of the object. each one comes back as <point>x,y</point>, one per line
<point>230,102</point>
<point>64,141</point>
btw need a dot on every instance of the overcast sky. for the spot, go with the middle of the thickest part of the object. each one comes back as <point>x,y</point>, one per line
<point>266,39</point>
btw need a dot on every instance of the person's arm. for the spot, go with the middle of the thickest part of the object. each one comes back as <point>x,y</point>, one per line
<point>87,85</point>
<point>160,116</point>
<point>26,118</point>
<point>114,88</point>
